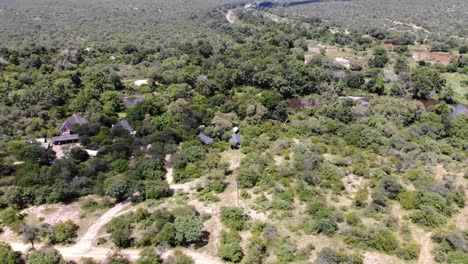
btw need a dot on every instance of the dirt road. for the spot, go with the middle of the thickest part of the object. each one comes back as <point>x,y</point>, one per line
<point>425,256</point>
<point>85,246</point>
<point>87,240</point>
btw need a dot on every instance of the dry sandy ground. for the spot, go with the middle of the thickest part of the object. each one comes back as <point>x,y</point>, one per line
<point>85,246</point>
<point>54,213</point>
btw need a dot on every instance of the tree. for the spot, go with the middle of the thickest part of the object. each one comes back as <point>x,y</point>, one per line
<point>122,237</point>
<point>49,256</point>
<point>447,95</point>
<point>14,197</point>
<point>79,154</point>
<point>157,189</point>
<point>36,153</point>
<point>63,232</point>
<point>8,256</point>
<point>118,189</point>
<point>234,218</point>
<point>189,229</point>
<point>425,80</point>
<point>30,234</point>
<point>167,235</point>
<point>375,85</point>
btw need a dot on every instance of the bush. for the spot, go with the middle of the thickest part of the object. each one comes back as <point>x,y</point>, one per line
<point>149,256</point>
<point>11,218</point>
<point>376,238</point>
<point>50,256</point>
<point>157,189</point>
<point>409,251</point>
<point>167,236</point>
<point>325,226</point>
<point>230,249</point>
<point>188,230</point>
<point>179,258</point>
<point>427,216</point>
<point>63,233</point>
<point>353,219</point>
<point>330,256</point>
<point>234,218</point>
<point>118,189</point>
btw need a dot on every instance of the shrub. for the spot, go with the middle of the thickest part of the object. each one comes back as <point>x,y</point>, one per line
<point>330,256</point>
<point>234,218</point>
<point>427,216</point>
<point>63,233</point>
<point>375,237</point>
<point>353,219</point>
<point>179,258</point>
<point>149,256</point>
<point>50,256</point>
<point>167,236</point>
<point>361,197</point>
<point>157,189</point>
<point>11,218</point>
<point>409,251</point>
<point>325,226</point>
<point>230,249</point>
<point>188,229</point>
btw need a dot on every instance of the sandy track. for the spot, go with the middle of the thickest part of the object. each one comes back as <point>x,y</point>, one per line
<point>85,244</point>
<point>87,240</point>
<point>425,256</point>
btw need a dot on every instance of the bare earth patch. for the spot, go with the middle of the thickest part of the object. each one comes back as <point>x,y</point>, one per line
<point>54,213</point>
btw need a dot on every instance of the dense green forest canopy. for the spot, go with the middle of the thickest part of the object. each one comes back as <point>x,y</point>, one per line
<point>88,22</point>
<point>439,17</point>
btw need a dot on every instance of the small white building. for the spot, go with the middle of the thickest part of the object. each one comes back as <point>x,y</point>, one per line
<point>141,82</point>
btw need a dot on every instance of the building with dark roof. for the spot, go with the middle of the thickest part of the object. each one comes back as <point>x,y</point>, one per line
<point>123,123</point>
<point>68,125</point>
<point>205,139</point>
<point>235,140</point>
<point>65,139</point>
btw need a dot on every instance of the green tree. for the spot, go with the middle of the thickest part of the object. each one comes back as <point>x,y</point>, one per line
<point>49,256</point>
<point>118,189</point>
<point>63,232</point>
<point>425,80</point>
<point>189,229</point>
<point>234,218</point>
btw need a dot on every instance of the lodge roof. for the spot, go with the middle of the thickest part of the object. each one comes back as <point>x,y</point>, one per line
<point>65,137</point>
<point>72,120</point>
<point>205,139</point>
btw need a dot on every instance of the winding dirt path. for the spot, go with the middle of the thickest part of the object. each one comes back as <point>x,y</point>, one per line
<point>87,240</point>
<point>85,248</point>
<point>425,256</point>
